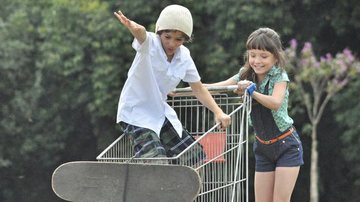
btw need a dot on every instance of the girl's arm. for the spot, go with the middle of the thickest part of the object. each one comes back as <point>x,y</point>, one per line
<point>275,100</point>
<point>138,31</point>
<point>203,95</point>
<point>227,82</point>
<point>230,81</point>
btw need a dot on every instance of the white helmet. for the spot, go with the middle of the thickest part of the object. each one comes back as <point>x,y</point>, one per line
<point>175,17</point>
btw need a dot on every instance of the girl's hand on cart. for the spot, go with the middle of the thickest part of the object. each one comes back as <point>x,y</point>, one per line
<point>224,120</point>
<point>242,85</point>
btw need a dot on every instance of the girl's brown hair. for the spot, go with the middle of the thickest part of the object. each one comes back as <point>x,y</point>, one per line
<point>263,39</point>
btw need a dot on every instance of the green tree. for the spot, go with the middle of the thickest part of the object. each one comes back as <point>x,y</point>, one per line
<point>52,61</point>
<point>348,115</point>
<point>222,27</point>
<point>318,82</point>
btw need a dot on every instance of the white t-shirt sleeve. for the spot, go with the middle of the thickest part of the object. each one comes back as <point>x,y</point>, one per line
<point>191,74</point>
<point>144,47</point>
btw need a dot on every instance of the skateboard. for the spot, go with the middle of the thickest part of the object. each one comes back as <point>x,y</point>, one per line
<point>92,181</point>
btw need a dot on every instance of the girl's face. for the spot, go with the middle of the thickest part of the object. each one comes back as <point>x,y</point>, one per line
<point>171,41</point>
<point>261,62</point>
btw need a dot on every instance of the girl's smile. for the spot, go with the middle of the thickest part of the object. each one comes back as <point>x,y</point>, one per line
<point>261,62</point>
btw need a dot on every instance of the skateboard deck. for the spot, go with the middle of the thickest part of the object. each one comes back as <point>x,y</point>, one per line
<point>91,181</point>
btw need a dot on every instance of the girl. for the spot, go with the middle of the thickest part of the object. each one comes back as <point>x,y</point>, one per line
<point>278,149</point>
<point>161,62</point>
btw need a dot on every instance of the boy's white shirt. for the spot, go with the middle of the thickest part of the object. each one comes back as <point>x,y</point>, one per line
<point>150,78</point>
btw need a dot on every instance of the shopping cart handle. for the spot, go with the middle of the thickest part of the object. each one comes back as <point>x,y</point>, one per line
<point>210,88</point>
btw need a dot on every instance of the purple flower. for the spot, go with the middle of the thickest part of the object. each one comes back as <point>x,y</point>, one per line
<point>307,47</point>
<point>343,66</point>
<point>304,62</point>
<point>293,43</point>
<point>350,57</point>
<point>328,57</point>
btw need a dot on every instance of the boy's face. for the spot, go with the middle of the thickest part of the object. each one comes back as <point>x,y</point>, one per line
<point>170,41</point>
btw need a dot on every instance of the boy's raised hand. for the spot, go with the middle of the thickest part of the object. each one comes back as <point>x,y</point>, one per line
<point>123,19</point>
<point>138,31</point>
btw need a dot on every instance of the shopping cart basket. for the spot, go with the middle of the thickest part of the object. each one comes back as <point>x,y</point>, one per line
<point>224,172</point>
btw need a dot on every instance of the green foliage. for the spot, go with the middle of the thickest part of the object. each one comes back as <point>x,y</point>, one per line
<point>348,107</point>
<point>63,63</point>
<point>331,25</point>
<point>51,60</point>
<point>222,27</point>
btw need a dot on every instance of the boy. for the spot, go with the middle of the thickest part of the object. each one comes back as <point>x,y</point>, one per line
<point>161,62</point>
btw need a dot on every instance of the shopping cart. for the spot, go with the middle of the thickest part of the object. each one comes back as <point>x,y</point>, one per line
<point>224,171</point>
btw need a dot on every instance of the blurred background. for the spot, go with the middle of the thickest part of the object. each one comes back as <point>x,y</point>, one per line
<point>63,64</point>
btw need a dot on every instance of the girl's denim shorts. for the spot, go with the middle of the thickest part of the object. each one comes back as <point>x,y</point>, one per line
<point>287,152</point>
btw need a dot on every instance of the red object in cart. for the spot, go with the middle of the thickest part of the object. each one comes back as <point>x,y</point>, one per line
<point>214,146</point>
